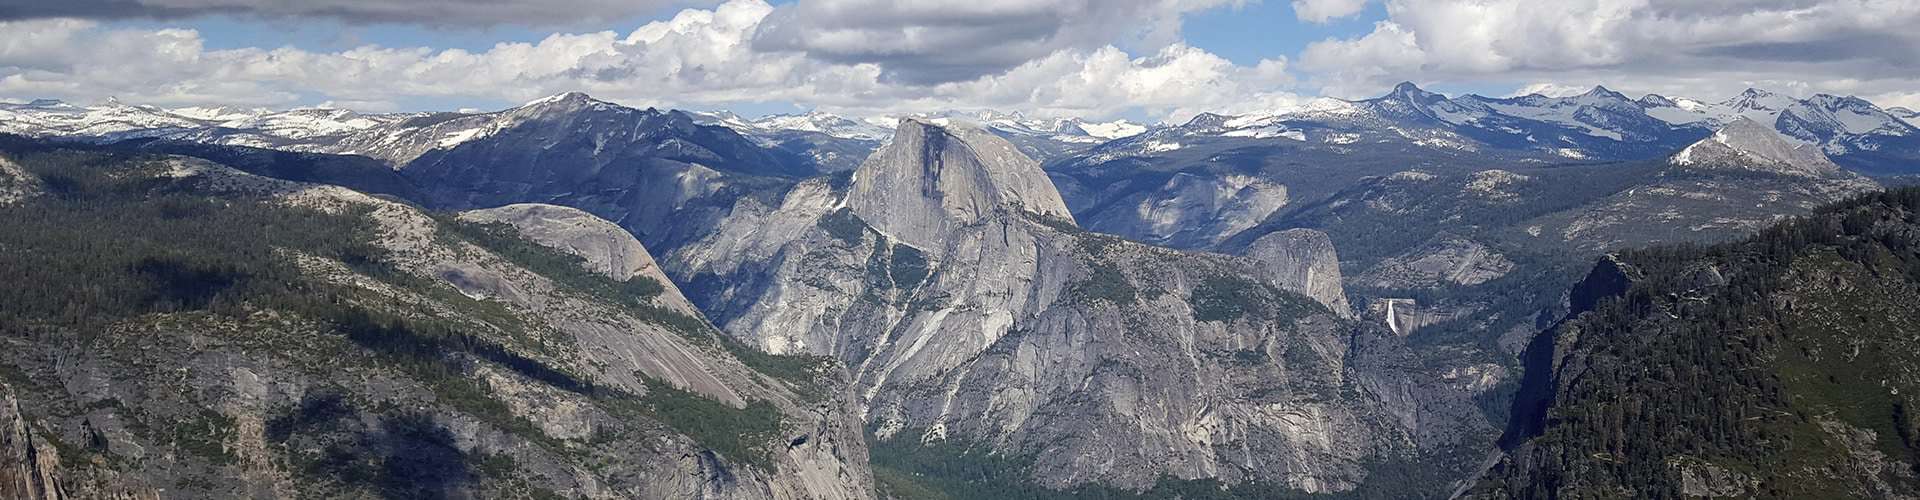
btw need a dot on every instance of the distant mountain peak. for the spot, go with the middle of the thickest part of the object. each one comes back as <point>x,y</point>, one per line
<point>1207,120</point>
<point>1408,92</point>
<point>1746,144</point>
<point>1602,92</point>
<point>1759,100</point>
<point>572,98</point>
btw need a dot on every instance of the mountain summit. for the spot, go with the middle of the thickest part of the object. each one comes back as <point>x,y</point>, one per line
<point>934,177</point>
<point>1745,144</point>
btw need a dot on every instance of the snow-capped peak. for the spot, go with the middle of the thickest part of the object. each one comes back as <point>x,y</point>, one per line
<point>1754,102</point>
<point>822,122</point>
<point>217,113</point>
<point>563,97</point>
<point>1656,100</point>
<point>1111,130</point>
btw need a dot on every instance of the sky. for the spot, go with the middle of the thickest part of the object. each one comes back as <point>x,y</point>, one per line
<point>1153,60</point>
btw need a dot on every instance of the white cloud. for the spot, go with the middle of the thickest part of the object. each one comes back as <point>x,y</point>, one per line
<point>1683,47</point>
<point>988,54</point>
<point>929,41</point>
<point>699,57</point>
<point>1320,11</point>
<point>433,12</point>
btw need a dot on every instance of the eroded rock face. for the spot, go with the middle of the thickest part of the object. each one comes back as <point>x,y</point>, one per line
<point>1104,360</point>
<point>1303,260</point>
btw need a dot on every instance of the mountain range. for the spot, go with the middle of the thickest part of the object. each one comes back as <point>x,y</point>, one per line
<point>1347,299</point>
<point>1597,125</point>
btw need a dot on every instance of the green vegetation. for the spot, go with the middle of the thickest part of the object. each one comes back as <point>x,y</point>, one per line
<point>108,243</point>
<point>1755,357</point>
<point>1222,298</point>
<point>946,470</point>
<point>1227,298</point>
<point>908,267</point>
<point>205,434</point>
<point>570,270</point>
<point>747,435</point>
<point>634,296</point>
<point>843,225</point>
<point>1104,282</point>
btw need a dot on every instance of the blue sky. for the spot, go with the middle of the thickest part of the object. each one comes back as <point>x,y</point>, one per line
<point>1087,58</point>
<point>1244,34</point>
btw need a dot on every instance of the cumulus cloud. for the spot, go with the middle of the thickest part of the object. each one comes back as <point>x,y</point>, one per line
<point>1320,11</point>
<point>931,41</point>
<point>1087,58</point>
<point>433,12</point>
<point>697,58</point>
<point>1709,48</point>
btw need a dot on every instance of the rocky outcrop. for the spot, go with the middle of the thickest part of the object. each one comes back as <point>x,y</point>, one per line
<point>607,248</point>
<point>1304,261</point>
<point>931,181</point>
<point>15,183</point>
<point>976,315</point>
<point>1744,144</point>
<point>29,467</point>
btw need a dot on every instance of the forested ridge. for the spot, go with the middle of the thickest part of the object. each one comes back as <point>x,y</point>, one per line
<point>1780,366</point>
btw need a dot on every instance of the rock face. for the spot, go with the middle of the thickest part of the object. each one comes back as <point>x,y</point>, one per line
<point>474,369</point>
<point>932,180</point>
<point>29,467</point>
<point>607,248</point>
<point>1304,261</point>
<point>979,315</point>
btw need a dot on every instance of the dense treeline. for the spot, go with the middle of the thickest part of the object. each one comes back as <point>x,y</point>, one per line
<point>1742,355</point>
<point>109,241</point>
